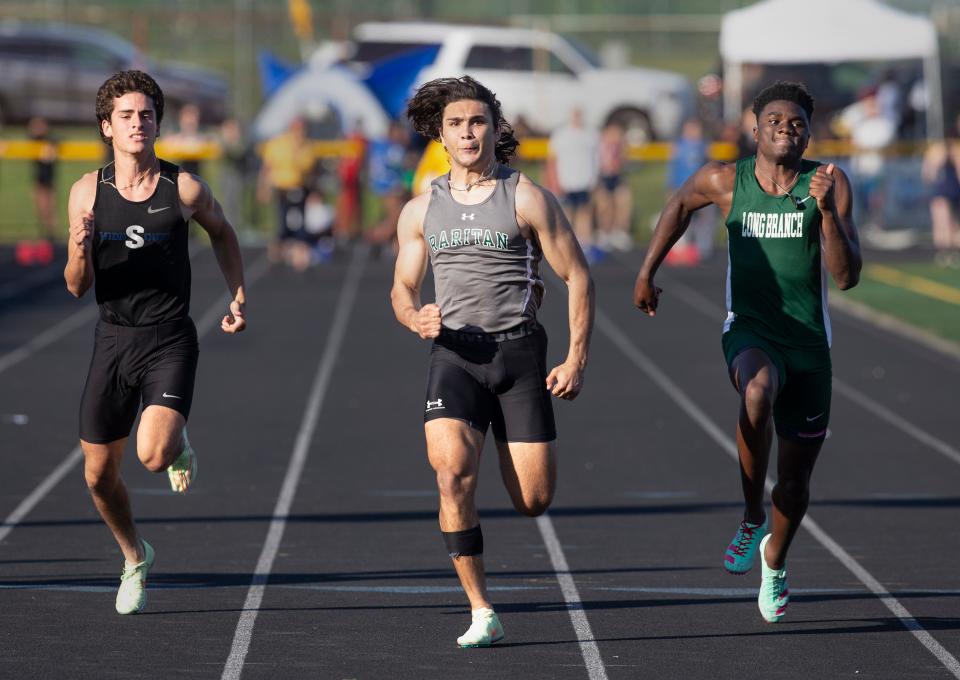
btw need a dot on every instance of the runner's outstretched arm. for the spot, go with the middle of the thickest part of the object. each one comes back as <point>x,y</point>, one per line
<point>78,273</point>
<point>410,269</point>
<point>713,183</point>
<point>543,214</point>
<point>200,204</point>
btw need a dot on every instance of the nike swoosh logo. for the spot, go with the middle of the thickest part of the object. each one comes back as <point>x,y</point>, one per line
<point>810,420</point>
<point>171,396</point>
<point>151,211</point>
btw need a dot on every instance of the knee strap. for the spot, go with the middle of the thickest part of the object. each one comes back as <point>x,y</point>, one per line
<point>464,543</point>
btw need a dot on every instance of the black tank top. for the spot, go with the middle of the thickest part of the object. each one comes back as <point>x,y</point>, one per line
<point>140,259</point>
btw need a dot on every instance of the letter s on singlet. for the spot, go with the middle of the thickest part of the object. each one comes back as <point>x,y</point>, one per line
<point>134,237</point>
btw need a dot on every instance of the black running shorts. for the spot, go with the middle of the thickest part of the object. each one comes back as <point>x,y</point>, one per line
<point>483,381</point>
<point>155,365</point>
<point>802,408</point>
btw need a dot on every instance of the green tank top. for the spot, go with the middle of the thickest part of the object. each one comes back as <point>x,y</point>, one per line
<point>776,283</point>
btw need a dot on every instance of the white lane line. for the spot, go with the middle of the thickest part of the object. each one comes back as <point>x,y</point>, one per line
<point>707,308</point>
<point>45,487</point>
<point>892,324</point>
<point>578,617</point>
<point>896,421</point>
<point>257,270</point>
<point>54,333</point>
<point>645,364</point>
<point>35,279</point>
<point>251,606</point>
<point>568,587</point>
<point>48,337</point>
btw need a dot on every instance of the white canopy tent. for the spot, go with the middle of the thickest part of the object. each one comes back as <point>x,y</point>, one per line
<point>827,31</point>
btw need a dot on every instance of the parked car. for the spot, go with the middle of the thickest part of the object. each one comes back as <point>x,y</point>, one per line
<point>54,71</point>
<point>538,75</point>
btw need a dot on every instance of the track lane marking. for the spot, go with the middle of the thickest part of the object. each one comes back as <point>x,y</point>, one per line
<point>59,330</point>
<point>243,634</point>
<point>649,367</point>
<point>206,323</point>
<point>578,617</point>
<point>707,308</point>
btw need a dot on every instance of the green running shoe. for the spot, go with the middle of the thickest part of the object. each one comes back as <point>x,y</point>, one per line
<point>774,594</point>
<point>484,630</point>
<point>743,548</point>
<point>183,471</point>
<point>132,595</point>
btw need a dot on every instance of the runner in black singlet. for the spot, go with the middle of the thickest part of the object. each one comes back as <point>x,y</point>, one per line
<point>484,227</point>
<point>128,238</point>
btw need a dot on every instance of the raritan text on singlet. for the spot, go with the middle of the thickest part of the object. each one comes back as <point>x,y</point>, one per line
<point>486,274</point>
<point>776,281</point>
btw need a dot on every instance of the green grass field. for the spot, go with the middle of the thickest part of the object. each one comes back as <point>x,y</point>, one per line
<point>939,317</point>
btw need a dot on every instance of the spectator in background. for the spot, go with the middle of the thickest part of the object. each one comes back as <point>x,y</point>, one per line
<point>44,178</point>
<point>235,154</point>
<point>746,144</point>
<point>688,154</point>
<point>941,163</point>
<point>612,196</point>
<point>889,100</point>
<point>871,132</point>
<point>187,142</point>
<point>316,245</point>
<point>572,171</point>
<point>285,174</point>
<point>388,167</point>
<point>349,206</point>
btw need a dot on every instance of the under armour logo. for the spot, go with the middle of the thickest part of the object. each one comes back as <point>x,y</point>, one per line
<point>467,216</point>
<point>433,405</point>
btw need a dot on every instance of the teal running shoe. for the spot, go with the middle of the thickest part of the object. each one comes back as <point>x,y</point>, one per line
<point>132,595</point>
<point>774,594</point>
<point>742,550</point>
<point>483,631</point>
<point>183,471</point>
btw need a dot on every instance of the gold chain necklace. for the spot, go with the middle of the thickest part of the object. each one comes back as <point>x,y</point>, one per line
<point>482,178</point>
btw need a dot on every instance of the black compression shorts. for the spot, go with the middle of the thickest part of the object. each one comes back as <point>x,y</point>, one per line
<point>155,365</point>
<point>483,381</point>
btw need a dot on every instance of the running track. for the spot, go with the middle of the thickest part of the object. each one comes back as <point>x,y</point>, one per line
<point>309,547</point>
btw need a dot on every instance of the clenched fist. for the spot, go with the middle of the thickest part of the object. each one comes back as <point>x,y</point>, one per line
<point>428,321</point>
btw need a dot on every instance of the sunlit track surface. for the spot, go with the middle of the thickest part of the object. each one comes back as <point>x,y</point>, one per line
<point>360,586</point>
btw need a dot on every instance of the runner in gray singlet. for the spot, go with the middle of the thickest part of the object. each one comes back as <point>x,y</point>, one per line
<point>479,249</point>
<point>484,227</point>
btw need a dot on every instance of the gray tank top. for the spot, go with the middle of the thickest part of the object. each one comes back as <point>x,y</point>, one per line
<point>486,274</point>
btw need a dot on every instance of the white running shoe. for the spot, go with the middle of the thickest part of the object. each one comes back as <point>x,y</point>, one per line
<point>483,631</point>
<point>774,593</point>
<point>183,471</point>
<point>132,595</point>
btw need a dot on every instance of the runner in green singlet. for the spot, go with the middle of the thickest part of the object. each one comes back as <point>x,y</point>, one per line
<point>789,222</point>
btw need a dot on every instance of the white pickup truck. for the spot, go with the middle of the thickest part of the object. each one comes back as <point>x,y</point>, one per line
<point>538,75</point>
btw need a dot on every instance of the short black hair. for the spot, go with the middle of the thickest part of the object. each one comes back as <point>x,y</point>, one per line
<point>425,110</point>
<point>784,91</point>
<point>121,83</point>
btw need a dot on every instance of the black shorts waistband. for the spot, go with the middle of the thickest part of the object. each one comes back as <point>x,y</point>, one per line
<point>521,330</point>
<point>161,329</point>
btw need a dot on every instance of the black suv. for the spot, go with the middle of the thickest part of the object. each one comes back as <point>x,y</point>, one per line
<point>54,71</point>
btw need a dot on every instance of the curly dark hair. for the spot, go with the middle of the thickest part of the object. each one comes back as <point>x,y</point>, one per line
<point>425,110</point>
<point>784,91</point>
<point>121,83</point>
